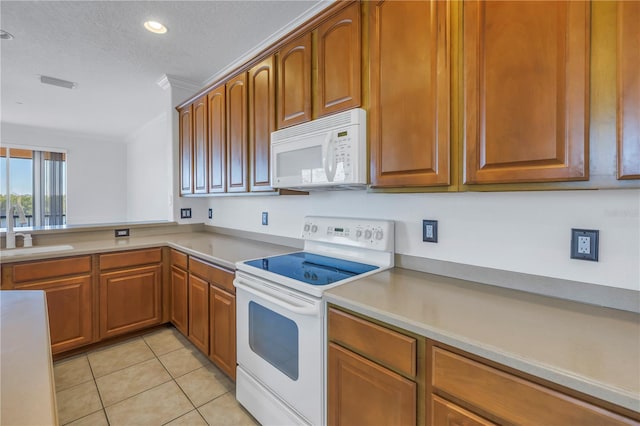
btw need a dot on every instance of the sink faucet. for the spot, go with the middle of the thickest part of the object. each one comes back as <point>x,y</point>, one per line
<point>11,235</point>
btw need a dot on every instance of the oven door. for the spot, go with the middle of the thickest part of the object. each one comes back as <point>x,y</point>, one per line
<point>280,337</point>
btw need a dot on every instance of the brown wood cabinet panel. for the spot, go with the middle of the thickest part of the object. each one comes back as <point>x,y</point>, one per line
<point>262,117</point>
<point>361,392</point>
<point>178,259</point>
<point>410,93</point>
<point>445,413</point>
<point>130,299</point>
<point>70,309</point>
<point>222,326</point>
<point>217,110</point>
<point>124,259</point>
<point>38,270</point>
<point>200,146</point>
<point>199,313</point>
<point>178,314</point>
<point>526,97</point>
<point>186,150</point>
<point>237,147</point>
<point>628,90</point>
<point>371,340</point>
<point>294,82</point>
<point>339,55</point>
<point>509,398</point>
<point>215,275</point>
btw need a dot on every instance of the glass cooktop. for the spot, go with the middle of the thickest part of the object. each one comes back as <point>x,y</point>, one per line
<point>311,268</point>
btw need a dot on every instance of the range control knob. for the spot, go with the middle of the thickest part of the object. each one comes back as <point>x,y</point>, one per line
<point>358,233</point>
<point>306,227</point>
<point>367,234</point>
<point>314,228</point>
<point>379,235</point>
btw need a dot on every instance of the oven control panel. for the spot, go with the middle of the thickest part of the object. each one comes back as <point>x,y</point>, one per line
<point>365,233</point>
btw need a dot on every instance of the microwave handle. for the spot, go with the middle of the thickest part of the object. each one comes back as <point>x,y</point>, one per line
<point>330,157</point>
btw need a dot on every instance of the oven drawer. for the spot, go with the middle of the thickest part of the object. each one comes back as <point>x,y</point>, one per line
<point>388,347</point>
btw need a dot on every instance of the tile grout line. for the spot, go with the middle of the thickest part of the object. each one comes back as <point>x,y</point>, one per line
<point>95,382</point>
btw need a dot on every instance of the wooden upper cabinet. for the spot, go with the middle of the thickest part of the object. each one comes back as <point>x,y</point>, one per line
<point>628,90</point>
<point>294,82</point>
<point>262,106</point>
<point>339,55</point>
<point>237,158</point>
<point>410,93</point>
<point>526,97</point>
<point>200,148</point>
<point>217,139</point>
<point>186,150</point>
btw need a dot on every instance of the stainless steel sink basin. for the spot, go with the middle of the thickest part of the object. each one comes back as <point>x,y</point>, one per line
<point>34,250</point>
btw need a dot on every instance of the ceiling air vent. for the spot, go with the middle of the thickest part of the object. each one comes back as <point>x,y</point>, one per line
<point>58,82</point>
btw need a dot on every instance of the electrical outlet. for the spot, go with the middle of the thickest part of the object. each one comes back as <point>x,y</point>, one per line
<point>584,244</point>
<point>122,232</point>
<point>210,213</point>
<point>265,218</point>
<point>430,231</point>
<point>185,213</point>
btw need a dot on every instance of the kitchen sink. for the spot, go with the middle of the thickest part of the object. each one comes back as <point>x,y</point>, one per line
<point>34,250</point>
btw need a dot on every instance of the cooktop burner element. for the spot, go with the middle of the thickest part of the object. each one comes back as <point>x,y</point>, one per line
<point>311,268</point>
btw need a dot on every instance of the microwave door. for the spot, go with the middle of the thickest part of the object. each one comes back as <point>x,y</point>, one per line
<point>301,161</point>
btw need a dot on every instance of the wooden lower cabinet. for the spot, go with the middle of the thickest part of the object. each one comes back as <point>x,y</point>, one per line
<point>179,304</point>
<point>130,300</point>
<point>199,313</point>
<point>362,392</point>
<point>222,330</point>
<point>446,413</point>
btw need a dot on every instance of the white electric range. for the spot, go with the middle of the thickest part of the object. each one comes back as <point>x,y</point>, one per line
<point>280,315</point>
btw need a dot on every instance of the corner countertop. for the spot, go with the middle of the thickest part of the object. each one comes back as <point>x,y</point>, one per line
<point>591,349</point>
<point>27,394</point>
<point>223,250</point>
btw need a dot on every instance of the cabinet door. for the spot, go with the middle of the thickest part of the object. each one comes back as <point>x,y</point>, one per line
<point>628,90</point>
<point>262,109</point>
<point>70,309</point>
<point>294,82</point>
<point>186,150</point>
<point>199,313</point>
<point>526,98</point>
<point>179,291</point>
<point>200,155</point>
<point>339,56</point>
<point>237,134</point>
<point>445,413</point>
<point>222,317</point>
<point>130,300</point>
<point>410,93</point>
<point>217,139</point>
<point>361,392</point>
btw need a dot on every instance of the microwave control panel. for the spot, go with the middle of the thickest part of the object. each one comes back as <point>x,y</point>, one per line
<point>343,152</point>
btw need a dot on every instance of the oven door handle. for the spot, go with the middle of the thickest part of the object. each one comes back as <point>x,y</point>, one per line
<point>285,304</point>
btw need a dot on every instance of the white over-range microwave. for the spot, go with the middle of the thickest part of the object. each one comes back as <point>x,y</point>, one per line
<point>327,153</point>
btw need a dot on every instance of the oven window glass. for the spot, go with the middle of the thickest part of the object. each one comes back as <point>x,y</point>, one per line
<point>274,338</point>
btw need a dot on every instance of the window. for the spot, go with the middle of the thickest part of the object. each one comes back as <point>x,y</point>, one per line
<point>37,184</point>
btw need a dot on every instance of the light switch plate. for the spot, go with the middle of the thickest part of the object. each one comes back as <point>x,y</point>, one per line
<point>430,231</point>
<point>265,218</point>
<point>584,244</point>
<point>185,213</point>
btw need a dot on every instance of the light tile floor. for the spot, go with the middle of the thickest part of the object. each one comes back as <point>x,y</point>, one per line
<point>159,378</point>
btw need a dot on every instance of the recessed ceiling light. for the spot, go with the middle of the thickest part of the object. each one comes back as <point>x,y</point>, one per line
<point>155,27</point>
<point>5,35</point>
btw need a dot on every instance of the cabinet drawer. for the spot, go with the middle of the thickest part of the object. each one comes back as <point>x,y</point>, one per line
<point>32,271</point>
<point>216,276</point>
<point>371,340</point>
<point>509,398</point>
<point>447,413</point>
<point>125,259</point>
<point>178,259</point>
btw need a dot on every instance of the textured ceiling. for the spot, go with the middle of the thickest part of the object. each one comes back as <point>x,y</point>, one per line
<point>103,46</point>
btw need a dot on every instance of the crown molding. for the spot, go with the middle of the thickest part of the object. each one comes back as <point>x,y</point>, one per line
<point>167,81</point>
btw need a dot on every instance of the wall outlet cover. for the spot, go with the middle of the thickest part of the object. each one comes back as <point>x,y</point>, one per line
<point>430,231</point>
<point>265,218</point>
<point>210,213</point>
<point>584,244</point>
<point>185,213</point>
<point>122,232</point>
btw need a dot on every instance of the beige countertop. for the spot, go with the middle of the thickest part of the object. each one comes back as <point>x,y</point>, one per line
<point>220,249</point>
<point>590,349</point>
<point>27,394</point>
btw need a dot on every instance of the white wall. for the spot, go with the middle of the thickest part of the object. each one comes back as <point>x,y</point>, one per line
<point>525,232</point>
<point>96,171</point>
<point>149,186</point>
